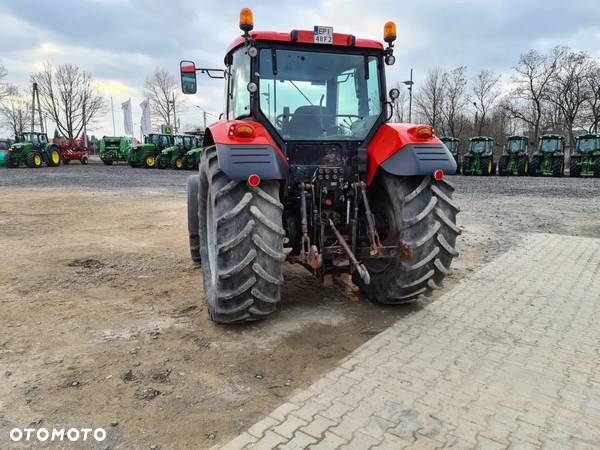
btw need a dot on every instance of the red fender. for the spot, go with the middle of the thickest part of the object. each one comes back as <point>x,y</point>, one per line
<point>220,133</point>
<point>392,138</point>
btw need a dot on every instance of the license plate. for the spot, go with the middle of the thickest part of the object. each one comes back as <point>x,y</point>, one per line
<point>323,35</point>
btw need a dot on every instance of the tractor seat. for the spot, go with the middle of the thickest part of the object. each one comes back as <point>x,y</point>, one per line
<point>306,122</point>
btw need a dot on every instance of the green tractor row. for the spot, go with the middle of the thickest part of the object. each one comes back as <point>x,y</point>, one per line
<point>176,156</point>
<point>585,160</point>
<point>114,149</point>
<point>453,144</point>
<point>32,150</point>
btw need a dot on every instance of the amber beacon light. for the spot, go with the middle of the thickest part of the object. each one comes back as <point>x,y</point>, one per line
<point>246,20</point>
<point>389,32</point>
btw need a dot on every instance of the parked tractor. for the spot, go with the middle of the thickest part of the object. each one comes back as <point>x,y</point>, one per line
<point>174,156</point>
<point>453,146</point>
<point>33,150</point>
<point>585,160</point>
<point>145,154</point>
<point>114,148</point>
<point>73,150</point>
<point>479,159</point>
<point>191,160</point>
<point>550,157</point>
<point>305,167</point>
<point>4,146</point>
<point>515,157</point>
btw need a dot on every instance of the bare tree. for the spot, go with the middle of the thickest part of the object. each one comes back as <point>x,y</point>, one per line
<point>15,111</point>
<point>593,100</point>
<point>429,99</point>
<point>65,93</point>
<point>400,105</point>
<point>532,81</point>
<point>569,89</point>
<point>162,89</point>
<point>485,93</point>
<point>455,100</point>
<point>4,87</point>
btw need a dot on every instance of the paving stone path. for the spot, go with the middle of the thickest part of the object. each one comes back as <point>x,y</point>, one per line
<point>509,358</point>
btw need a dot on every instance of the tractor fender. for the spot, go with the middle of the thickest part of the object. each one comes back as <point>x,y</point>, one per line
<point>241,157</point>
<point>397,149</point>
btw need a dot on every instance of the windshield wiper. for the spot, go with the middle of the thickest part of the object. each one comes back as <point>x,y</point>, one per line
<point>302,93</point>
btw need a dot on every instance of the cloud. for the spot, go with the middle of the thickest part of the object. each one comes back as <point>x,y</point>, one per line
<point>121,41</point>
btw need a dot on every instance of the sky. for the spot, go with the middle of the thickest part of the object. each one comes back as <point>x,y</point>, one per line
<point>120,42</point>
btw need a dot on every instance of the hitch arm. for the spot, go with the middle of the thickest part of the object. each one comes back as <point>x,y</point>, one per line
<point>360,268</point>
<point>372,231</point>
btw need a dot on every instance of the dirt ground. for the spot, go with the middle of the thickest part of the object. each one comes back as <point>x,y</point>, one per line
<point>103,314</point>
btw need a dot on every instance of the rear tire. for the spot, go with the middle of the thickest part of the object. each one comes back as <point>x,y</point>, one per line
<point>558,166</point>
<point>241,244</point>
<point>597,167</point>
<point>192,215</point>
<point>502,166</point>
<point>467,167</point>
<point>84,160</point>
<point>523,166</point>
<point>161,162</point>
<point>534,167</point>
<point>419,211</point>
<point>487,166</point>
<point>53,156</point>
<point>574,171</point>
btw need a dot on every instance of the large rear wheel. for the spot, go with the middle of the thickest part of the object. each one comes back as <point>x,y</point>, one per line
<point>558,166</point>
<point>574,168</point>
<point>523,166</point>
<point>420,212</point>
<point>241,244</point>
<point>53,156</point>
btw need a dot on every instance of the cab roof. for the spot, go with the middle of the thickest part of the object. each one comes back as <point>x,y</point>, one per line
<point>517,137</point>
<point>449,139</point>
<point>552,136</point>
<point>307,37</point>
<point>588,136</point>
<point>481,138</point>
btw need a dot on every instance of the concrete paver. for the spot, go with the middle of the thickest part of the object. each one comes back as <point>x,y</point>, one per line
<point>509,357</point>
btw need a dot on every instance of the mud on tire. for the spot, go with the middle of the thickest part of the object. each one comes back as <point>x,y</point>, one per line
<point>421,212</point>
<point>241,244</point>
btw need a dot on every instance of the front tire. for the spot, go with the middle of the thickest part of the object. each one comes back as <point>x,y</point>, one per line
<point>574,171</point>
<point>597,167</point>
<point>148,160</point>
<point>192,214</point>
<point>558,166</point>
<point>53,156</point>
<point>241,244</point>
<point>84,160</point>
<point>34,160</point>
<point>176,163</point>
<point>420,212</point>
<point>523,166</point>
<point>502,166</point>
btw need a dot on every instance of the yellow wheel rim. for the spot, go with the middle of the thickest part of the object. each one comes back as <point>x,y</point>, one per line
<point>150,161</point>
<point>490,167</point>
<point>37,160</point>
<point>526,166</point>
<point>178,164</point>
<point>55,157</point>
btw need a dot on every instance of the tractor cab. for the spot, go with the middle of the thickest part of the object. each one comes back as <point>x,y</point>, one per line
<point>587,143</point>
<point>37,139</point>
<point>551,143</point>
<point>481,145</point>
<point>516,144</point>
<point>161,141</point>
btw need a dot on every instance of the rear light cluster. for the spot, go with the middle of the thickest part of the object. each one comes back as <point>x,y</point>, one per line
<point>241,131</point>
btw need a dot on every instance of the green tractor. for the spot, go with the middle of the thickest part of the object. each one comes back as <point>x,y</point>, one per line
<point>174,156</point>
<point>191,160</point>
<point>479,159</point>
<point>550,157</point>
<point>4,146</point>
<point>144,155</point>
<point>453,146</point>
<point>515,157</point>
<point>33,150</point>
<point>585,160</point>
<point>114,148</point>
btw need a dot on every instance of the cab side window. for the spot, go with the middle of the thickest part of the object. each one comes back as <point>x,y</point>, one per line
<point>239,104</point>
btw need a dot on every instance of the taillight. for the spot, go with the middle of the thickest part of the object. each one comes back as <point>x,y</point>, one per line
<point>424,132</point>
<point>241,131</point>
<point>438,175</point>
<point>253,180</point>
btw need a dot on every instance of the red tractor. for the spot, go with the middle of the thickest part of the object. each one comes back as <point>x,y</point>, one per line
<point>73,150</point>
<point>304,167</point>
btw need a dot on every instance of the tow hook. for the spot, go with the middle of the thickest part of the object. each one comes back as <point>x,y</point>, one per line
<point>360,268</point>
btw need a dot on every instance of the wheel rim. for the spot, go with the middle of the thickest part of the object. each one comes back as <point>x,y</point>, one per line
<point>37,160</point>
<point>150,161</point>
<point>55,157</point>
<point>211,238</point>
<point>178,164</point>
<point>490,167</point>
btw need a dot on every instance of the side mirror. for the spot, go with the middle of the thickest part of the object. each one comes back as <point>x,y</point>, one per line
<point>188,77</point>
<point>394,93</point>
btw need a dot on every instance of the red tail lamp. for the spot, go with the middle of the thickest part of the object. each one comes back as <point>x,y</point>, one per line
<point>253,180</point>
<point>438,175</point>
<point>241,131</point>
<point>425,132</point>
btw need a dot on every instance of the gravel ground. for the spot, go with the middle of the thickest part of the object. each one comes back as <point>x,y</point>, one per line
<point>97,257</point>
